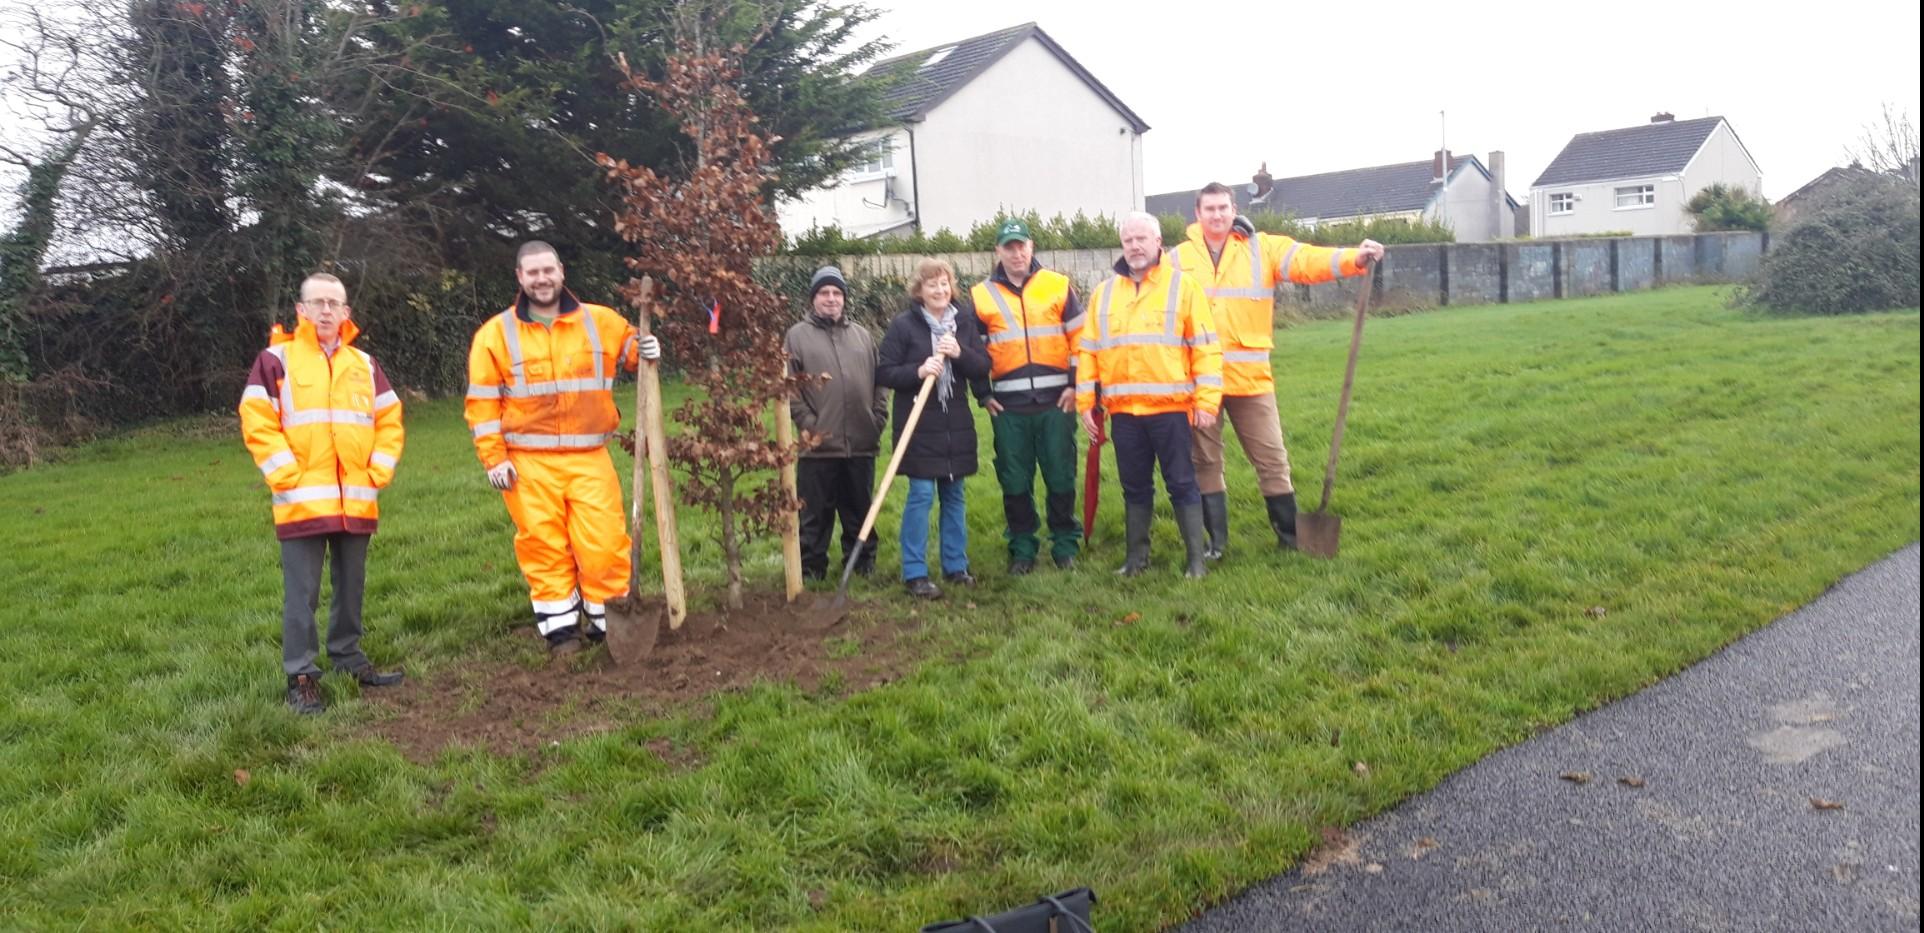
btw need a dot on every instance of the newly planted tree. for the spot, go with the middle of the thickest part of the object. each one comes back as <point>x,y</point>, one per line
<point>696,231</point>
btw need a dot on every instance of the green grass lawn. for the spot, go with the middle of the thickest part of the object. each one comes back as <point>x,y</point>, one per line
<point>1693,471</point>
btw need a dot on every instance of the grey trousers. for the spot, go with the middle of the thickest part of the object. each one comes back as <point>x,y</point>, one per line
<point>301,576</point>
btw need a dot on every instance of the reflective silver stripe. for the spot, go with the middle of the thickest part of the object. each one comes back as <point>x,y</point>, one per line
<point>1023,385</point>
<point>361,493</point>
<point>1089,386</point>
<point>555,440</point>
<point>284,458</point>
<point>1074,324</point>
<point>287,390</point>
<point>594,348</point>
<point>481,391</point>
<point>386,399</point>
<point>1200,340</point>
<point>256,391</point>
<point>1258,293</point>
<point>1245,356</point>
<point>556,622</point>
<point>559,386</point>
<point>1142,340</point>
<point>380,459</point>
<point>1287,259</point>
<point>550,607</point>
<point>1216,381</point>
<point>1175,258</point>
<point>1169,315</point>
<point>1102,313</point>
<point>1007,336</point>
<point>328,416</point>
<point>1002,305</point>
<point>626,345</point>
<point>307,494</point>
<point>486,428</point>
<point>1146,388</point>
<point>1040,330</point>
<point>1256,281</point>
<point>1336,264</point>
<point>511,328</point>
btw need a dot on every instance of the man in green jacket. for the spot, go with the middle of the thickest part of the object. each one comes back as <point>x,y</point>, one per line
<point>840,409</point>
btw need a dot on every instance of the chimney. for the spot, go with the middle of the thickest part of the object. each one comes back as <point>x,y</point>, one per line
<point>1497,206</point>
<point>1664,116</point>
<point>1440,165</point>
<point>1263,183</point>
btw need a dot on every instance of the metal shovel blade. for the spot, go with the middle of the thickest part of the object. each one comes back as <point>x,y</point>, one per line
<point>826,611</point>
<point>633,627</point>
<point>1317,533</point>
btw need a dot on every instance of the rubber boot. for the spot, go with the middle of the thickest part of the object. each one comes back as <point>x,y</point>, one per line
<point>1137,518</point>
<point>1282,518</point>
<point>1189,518</point>
<point>1215,506</point>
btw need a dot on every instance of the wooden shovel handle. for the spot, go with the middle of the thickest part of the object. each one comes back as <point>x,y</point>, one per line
<point>648,417</point>
<point>895,459</point>
<point>1349,380</point>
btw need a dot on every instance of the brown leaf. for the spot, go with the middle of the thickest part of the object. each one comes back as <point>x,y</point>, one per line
<point>241,776</point>
<point>1596,612</point>
<point>1361,769</point>
<point>1630,781</point>
<point>1130,619</point>
<point>1576,777</point>
<point>1423,846</point>
<point>1822,804</point>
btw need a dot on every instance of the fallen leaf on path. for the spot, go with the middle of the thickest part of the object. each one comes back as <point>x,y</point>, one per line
<point>1576,777</point>
<point>1423,846</point>
<point>1373,868</point>
<point>1630,781</point>
<point>1822,804</point>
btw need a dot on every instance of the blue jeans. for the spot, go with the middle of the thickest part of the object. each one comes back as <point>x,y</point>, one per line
<point>915,527</point>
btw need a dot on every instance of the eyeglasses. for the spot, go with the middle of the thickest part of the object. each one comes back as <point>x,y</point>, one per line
<point>325,304</point>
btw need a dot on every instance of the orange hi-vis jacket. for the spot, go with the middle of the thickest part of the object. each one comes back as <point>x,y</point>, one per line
<point>1151,348</point>
<point>1242,294</point>
<point>324,430</point>
<point>1031,332</point>
<point>546,388</point>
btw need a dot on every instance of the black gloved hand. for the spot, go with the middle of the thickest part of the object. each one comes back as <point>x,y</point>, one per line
<point>1242,223</point>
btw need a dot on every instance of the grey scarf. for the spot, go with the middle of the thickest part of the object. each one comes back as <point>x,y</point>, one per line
<point>938,329</point>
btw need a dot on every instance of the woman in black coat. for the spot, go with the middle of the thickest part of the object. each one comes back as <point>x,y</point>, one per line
<point>937,337</point>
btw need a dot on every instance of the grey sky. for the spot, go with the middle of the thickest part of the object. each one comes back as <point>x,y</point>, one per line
<point>1349,89</point>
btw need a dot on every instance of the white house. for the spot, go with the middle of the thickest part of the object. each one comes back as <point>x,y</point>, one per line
<point>1006,120</point>
<point>1468,196</point>
<point>1638,178</point>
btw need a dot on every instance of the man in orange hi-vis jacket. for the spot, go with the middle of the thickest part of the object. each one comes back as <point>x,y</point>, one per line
<point>1148,356</point>
<point>1240,268</point>
<point>541,407</point>
<point>324,427</point>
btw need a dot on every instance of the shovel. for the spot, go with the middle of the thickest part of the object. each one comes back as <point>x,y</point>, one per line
<point>826,612</point>
<point>1317,532</point>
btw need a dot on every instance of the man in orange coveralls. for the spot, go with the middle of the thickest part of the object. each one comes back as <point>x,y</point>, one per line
<point>541,407</point>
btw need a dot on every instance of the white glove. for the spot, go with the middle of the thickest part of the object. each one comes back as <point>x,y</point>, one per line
<point>502,477</point>
<point>650,348</point>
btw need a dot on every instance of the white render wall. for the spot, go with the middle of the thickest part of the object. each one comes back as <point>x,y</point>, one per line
<point>859,204</point>
<point>1722,159</point>
<point>1025,134</point>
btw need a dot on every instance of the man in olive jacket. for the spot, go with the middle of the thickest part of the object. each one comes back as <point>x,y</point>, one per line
<point>842,406</point>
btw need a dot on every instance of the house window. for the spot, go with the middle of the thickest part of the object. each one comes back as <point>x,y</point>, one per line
<point>878,158</point>
<point>1637,196</point>
<point>1563,202</point>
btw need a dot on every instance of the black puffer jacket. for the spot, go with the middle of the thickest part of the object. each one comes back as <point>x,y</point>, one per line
<point>943,446</point>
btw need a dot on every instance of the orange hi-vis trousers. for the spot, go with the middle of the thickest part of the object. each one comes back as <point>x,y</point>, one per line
<point>571,536</point>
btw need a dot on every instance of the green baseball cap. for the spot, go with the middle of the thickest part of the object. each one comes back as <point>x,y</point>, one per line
<point>1012,229</point>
